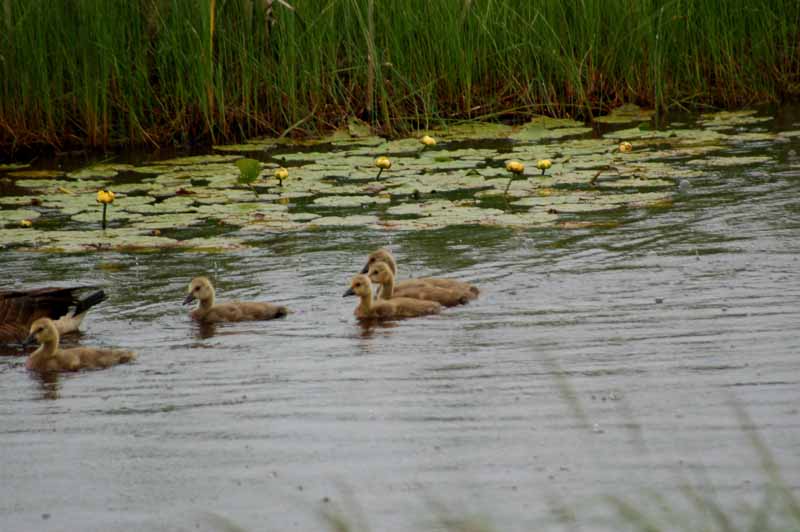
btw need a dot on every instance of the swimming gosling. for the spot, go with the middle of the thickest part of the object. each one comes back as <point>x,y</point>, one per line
<point>398,307</point>
<point>385,256</point>
<point>49,358</point>
<point>381,273</point>
<point>20,308</point>
<point>201,289</point>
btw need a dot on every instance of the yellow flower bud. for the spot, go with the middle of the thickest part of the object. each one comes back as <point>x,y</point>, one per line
<point>544,164</point>
<point>281,173</point>
<point>25,223</point>
<point>515,167</point>
<point>383,163</point>
<point>105,196</point>
<point>427,140</point>
<point>625,147</point>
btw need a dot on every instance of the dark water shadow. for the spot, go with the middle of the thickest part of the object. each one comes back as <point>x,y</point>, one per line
<point>49,384</point>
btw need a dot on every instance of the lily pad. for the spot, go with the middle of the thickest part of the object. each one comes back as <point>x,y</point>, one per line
<point>348,201</point>
<point>14,216</point>
<point>473,131</point>
<point>36,174</point>
<point>199,160</point>
<point>13,166</point>
<point>536,131</point>
<point>352,221</point>
<point>625,114</point>
<point>728,119</point>
<point>731,160</point>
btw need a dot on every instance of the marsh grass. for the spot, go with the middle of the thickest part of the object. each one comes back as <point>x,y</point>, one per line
<point>97,72</point>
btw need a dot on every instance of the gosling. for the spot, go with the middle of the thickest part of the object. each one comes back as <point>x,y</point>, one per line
<point>201,289</point>
<point>381,273</point>
<point>398,307</point>
<point>385,256</point>
<point>49,358</point>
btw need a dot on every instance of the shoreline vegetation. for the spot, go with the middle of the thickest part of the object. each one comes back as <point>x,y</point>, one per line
<point>99,74</point>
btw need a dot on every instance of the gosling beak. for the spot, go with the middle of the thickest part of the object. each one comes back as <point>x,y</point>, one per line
<point>365,269</point>
<point>29,341</point>
<point>189,298</point>
<point>349,292</point>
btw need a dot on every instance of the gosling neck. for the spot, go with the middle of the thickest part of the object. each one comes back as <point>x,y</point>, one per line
<point>206,303</point>
<point>366,303</point>
<point>46,350</point>
<point>387,287</point>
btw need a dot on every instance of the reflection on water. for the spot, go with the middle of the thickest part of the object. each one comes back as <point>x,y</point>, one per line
<point>597,361</point>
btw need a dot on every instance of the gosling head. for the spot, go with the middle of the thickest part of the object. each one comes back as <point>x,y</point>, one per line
<point>380,273</point>
<point>42,330</point>
<point>380,255</point>
<point>359,286</point>
<point>200,288</point>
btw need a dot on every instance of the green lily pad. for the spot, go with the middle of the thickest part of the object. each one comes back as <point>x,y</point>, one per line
<point>249,168</point>
<point>732,160</point>
<point>96,216</point>
<point>348,201</point>
<point>626,113</point>
<point>752,136</point>
<point>473,131</point>
<point>36,174</point>
<point>166,221</point>
<point>101,170</point>
<point>14,216</point>
<point>15,200</point>
<point>13,166</point>
<point>254,145</point>
<point>727,119</point>
<point>351,221</point>
<point>195,160</point>
<point>535,131</point>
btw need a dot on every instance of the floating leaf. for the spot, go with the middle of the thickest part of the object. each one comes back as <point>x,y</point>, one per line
<point>37,174</point>
<point>731,160</point>
<point>249,168</point>
<point>348,201</point>
<point>8,216</point>
<point>626,113</point>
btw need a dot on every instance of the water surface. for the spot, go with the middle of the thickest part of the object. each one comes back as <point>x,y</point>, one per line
<point>597,361</point>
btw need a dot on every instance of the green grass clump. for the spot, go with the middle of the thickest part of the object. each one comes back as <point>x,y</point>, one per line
<point>99,72</point>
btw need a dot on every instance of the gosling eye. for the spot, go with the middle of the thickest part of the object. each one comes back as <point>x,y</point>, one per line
<point>195,289</point>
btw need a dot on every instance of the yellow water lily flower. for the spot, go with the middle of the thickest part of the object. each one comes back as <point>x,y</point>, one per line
<point>25,223</point>
<point>105,196</point>
<point>544,164</point>
<point>515,167</point>
<point>280,174</point>
<point>383,163</point>
<point>625,147</point>
<point>427,140</point>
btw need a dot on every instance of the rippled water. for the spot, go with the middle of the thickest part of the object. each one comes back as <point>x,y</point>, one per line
<point>598,361</point>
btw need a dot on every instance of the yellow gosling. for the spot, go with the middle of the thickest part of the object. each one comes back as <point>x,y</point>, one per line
<point>385,256</point>
<point>381,274</point>
<point>200,289</point>
<point>398,307</point>
<point>49,358</point>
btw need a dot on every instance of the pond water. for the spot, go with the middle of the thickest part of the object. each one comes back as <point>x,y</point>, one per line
<point>603,358</point>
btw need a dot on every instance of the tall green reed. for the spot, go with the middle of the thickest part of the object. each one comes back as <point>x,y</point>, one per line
<point>100,72</point>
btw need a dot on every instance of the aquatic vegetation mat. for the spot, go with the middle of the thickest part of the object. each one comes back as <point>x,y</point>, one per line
<point>242,192</point>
